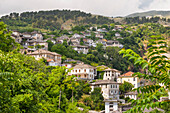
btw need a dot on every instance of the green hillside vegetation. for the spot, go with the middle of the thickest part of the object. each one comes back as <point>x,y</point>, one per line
<point>54,19</point>
<point>150,13</point>
<point>109,56</point>
<point>27,85</point>
<point>141,20</point>
<point>66,19</point>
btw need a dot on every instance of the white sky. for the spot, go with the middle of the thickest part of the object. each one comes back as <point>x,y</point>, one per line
<point>100,7</point>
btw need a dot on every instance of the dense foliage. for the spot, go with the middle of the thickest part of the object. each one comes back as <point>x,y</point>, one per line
<point>98,55</point>
<point>51,20</point>
<point>28,85</point>
<point>141,20</point>
<point>156,68</point>
<point>6,41</point>
<point>125,87</point>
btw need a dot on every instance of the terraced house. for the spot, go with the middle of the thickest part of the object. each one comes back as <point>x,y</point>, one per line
<point>84,72</point>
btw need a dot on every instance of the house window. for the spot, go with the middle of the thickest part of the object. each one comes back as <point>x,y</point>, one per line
<point>84,70</point>
<point>116,86</point>
<point>79,70</point>
<point>106,74</point>
<point>134,79</point>
<point>76,70</point>
<point>111,105</point>
<point>84,75</point>
<point>106,86</point>
<point>73,70</point>
<point>108,78</point>
<point>128,79</point>
<point>111,86</point>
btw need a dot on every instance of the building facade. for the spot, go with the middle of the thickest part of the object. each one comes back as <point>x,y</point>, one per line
<point>131,79</point>
<point>53,58</point>
<point>84,72</point>
<point>79,49</point>
<point>110,89</point>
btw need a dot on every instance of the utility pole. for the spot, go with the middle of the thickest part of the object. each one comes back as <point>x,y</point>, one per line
<point>72,95</point>
<point>59,100</point>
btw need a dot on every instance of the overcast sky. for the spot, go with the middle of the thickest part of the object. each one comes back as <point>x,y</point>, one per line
<point>102,7</point>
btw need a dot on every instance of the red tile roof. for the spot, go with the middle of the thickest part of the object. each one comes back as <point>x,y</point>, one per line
<point>130,73</point>
<point>49,60</point>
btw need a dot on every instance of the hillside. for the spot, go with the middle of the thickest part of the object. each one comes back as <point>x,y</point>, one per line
<point>150,13</point>
<point>54,19</point>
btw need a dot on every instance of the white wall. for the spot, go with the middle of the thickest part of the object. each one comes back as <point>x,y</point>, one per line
<point>106,107</point>
<point>110,75</point>
<point>88,71</point>
<point>131,96</point>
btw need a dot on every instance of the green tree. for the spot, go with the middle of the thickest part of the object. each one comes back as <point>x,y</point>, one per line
<point>125,87</point>
<point>97,98</point>
<point>156,68</point>
<point>81,41</point>
<point>50,44</point>
<point>7,43</point>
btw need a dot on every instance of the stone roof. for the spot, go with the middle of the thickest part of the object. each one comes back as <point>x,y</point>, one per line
<point>80,46</point>
<point>109,69</point>
<point>37,41</point>
<point>101,82</point>
<point>42,51</point>
<point>49,39</point>
<point>83,66</point>
<point>63,37</point>
<point>131,93</point>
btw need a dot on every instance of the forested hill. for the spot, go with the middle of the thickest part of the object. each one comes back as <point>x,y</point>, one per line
<point>151,13</point>
<point>54,19</point>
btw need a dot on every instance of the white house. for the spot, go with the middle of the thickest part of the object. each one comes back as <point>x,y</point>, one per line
<point>36,36</point>
<point>113,43</point>
<point>84,72</point>
<point>111,74</point>
<point>132,95</point>
<point>110,89</point>
<point>80,48</point>
<point>67,65</point>
<point>102,30</point>
<point>51,39</point>
<point>37,42</point>
<point>16,33</point>
<point>117,34</point>
<point>51,57</point>
<point>99,35</point>
<point>129,78</point>
<point>62,38</point>
<point>26,34</point>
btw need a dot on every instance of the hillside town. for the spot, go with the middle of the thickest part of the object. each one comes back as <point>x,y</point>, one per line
<point>108,79</point>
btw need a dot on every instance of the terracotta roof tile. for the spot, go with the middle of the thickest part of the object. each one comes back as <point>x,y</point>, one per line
<point>109,69</point>
<point>83,66</point>
<point>127,74</point>
<point>41,51</point>
<point>49,60</point>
